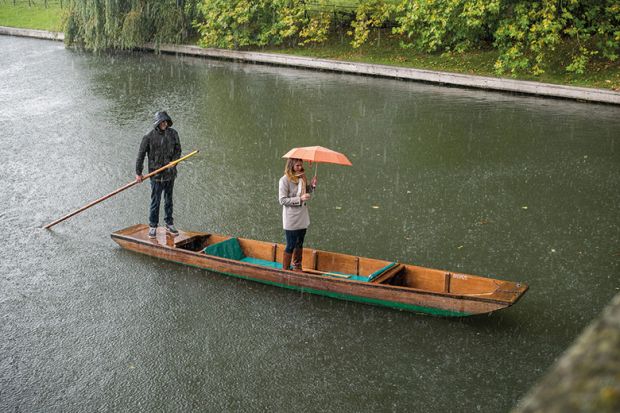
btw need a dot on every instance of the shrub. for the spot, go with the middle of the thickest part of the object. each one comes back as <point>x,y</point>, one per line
<point>233,24</point>
<point>529,35</point>
<point>446,25</point>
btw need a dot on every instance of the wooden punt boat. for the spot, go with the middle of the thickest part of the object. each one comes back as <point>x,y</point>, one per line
<point>366,280</point>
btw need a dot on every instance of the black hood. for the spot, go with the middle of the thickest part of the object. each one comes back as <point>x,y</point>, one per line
<point>160,117</point>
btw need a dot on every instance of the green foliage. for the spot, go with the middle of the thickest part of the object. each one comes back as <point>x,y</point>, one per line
<point>316,27</point>
<point>369,14</point>
<point>446,25</point>
<point>533,33</point>
<point>529,35</point>
<point>240,23</point>
<point>524,38</point>
<point>123,24</point>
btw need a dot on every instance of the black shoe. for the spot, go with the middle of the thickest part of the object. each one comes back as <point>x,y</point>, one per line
<point>171,229</point>
<point>152,232</point>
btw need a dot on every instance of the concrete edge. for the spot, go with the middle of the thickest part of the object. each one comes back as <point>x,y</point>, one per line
<point>586,377</point>
<point>366,69</point>
<point>37,34</point>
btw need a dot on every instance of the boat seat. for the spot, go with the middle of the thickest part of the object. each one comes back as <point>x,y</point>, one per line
<point>388,273</point>
<point>231,249</point>
<point>381,271</point>
<point>368,278</point>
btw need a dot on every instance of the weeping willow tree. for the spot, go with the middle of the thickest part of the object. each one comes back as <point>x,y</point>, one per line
<point>123,24</point>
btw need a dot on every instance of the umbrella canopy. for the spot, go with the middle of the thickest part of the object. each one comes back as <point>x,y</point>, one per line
<point>318,154</point>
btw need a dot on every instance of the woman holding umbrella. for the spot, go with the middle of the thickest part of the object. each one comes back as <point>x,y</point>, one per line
<point>293,193</point>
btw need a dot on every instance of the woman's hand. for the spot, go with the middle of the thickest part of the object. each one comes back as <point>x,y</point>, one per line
<point>305,197</point>
<point>313,182</point>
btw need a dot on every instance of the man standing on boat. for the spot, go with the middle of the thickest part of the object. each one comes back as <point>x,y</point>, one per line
<point>162,145</point>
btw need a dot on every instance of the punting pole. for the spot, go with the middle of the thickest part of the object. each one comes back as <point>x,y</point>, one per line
<point>121,189</point>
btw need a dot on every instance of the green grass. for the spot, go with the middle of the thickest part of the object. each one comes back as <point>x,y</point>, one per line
<point>385,49</point>
<point>35,16</point>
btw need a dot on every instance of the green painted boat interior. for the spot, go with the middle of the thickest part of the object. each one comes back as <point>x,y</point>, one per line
<point>231,249</point>
<point>347,297</point>
<point>353,268</point>
<point>263,263</point>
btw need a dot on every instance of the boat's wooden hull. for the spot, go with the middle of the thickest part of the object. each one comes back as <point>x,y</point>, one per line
<point>437,303</point>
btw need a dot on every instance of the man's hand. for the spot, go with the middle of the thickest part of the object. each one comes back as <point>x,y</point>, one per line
<point>139,178</point>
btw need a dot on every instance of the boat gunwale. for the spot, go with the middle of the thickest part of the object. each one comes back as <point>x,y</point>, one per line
<point>329,280</point>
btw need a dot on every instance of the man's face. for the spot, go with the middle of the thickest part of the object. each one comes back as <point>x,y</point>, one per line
<point>163,125</point>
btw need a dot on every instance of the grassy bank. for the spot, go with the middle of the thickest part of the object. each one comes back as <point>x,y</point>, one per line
<point>383,48</point>
<point>33,14</point>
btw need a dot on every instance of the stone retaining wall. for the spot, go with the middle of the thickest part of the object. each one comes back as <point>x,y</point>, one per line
<point>429,76</point>
<point>587,376</point>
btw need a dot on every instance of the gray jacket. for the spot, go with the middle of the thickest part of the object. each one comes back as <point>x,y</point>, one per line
<point>162,148</point>
<point>294,212</point>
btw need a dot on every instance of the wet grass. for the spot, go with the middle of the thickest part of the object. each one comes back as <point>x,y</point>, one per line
<point>32,14</point>
<point>385,49</point>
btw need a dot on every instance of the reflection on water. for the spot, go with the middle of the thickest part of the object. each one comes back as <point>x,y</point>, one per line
<point>514,187</point>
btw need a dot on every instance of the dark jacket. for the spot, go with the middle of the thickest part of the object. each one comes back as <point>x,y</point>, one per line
<point>162,148</point>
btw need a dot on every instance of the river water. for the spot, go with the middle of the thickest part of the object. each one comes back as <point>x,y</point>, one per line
<point>513,187</point>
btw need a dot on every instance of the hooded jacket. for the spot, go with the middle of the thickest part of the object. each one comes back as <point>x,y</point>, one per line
<point>162,148</point>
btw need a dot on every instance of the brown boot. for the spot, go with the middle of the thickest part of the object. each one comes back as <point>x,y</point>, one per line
<point>298,254</point>
<point>286,260</point>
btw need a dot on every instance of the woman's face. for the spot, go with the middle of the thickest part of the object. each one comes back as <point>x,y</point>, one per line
<point>298,166</point>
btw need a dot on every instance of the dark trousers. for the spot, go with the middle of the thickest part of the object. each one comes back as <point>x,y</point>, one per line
<point>294,239</point>
<point>157,187</point>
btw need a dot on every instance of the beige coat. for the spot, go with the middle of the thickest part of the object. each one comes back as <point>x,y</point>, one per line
<point>294,212</point>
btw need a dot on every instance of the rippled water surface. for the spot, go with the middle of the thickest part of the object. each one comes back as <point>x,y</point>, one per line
<point>514,187</point>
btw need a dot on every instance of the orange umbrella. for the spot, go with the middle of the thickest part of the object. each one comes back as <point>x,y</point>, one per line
<point>318,154</point>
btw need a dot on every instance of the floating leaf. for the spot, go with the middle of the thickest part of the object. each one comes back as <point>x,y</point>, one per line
<point>375,207</point>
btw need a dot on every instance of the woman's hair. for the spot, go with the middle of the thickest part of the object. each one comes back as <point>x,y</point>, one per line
<point>289,169</point>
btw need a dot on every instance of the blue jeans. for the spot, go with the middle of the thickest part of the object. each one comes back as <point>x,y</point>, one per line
<point>294,239</point>
<point>157,187</point>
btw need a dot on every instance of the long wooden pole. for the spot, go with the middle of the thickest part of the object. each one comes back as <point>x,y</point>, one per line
<point>121,189</point>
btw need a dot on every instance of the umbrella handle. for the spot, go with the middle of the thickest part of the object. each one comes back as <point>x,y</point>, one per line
<point>316,167</point>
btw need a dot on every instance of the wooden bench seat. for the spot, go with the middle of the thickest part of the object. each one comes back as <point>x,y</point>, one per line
<point>387,274</point>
